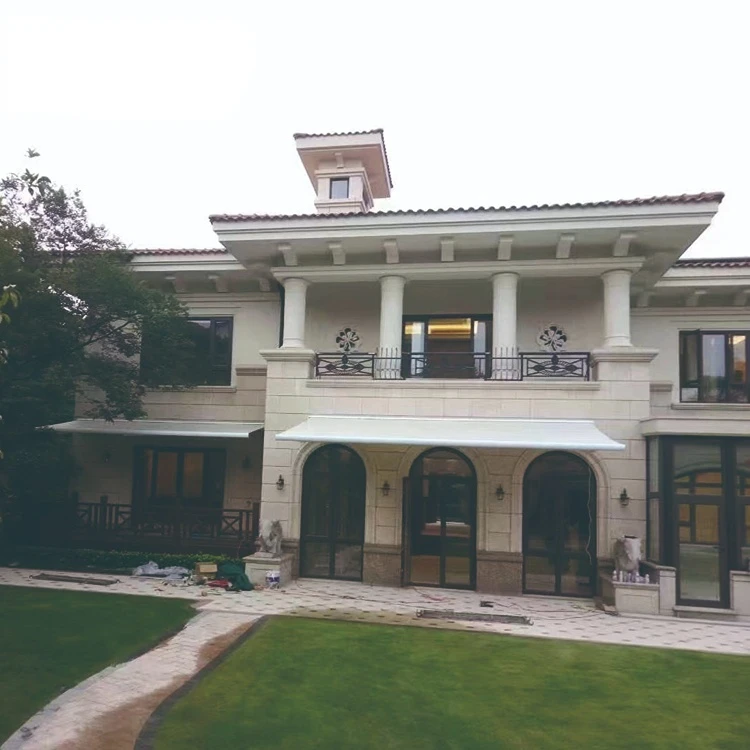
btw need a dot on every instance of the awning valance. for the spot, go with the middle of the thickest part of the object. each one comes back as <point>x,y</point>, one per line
<point>152,427</point>
<point>546,434</point>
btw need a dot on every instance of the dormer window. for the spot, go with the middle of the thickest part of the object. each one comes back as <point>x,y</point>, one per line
<point>339,188</point>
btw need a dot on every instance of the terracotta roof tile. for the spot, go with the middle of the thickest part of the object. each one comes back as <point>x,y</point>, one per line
<point>177,251</point>
<point>739,262</point>
<point>351,132</point>
<point>623,203</point>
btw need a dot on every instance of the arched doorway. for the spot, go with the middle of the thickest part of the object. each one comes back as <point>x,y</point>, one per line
<point>440,496</point>
<point>559,526</point>
<point>333,514</point>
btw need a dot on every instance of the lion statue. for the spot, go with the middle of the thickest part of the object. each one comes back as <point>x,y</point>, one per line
<point>269,540</point>
<point>627,553</point>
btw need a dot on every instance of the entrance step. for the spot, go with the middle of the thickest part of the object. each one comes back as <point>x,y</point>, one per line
<point>705,613</point>
<point>600,604</point>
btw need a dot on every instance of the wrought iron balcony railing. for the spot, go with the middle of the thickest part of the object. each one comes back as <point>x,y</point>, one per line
<point>460,365</point>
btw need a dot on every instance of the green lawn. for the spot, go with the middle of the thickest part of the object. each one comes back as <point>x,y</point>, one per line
<point>320,684</point>
<point>51,640</point>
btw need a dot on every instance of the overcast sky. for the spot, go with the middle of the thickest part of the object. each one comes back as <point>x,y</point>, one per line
<point>162,113</point>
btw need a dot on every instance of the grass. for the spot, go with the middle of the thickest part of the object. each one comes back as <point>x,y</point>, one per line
<point>319,684</point>
<point>52,640</point>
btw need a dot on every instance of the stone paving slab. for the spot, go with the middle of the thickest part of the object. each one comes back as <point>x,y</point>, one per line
<point>68,722</point>
<point>573,619</point>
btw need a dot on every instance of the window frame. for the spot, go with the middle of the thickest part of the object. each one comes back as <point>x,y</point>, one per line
<point>732,530</point>
<point>143,496</point>
<point>481,358</point>
<point>697,383</point>
<point>339,180</point>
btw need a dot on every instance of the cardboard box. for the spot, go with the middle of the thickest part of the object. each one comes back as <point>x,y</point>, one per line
<point>205,569</point>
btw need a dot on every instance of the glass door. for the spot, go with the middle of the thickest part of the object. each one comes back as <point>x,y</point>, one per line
<point>700,509</point>
<point>333,514</point>
<point>451,346</point>
<point>559,525</point>
<point>440,524</point>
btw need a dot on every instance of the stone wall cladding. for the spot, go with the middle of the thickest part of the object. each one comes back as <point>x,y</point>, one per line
<point>499,573</point>
<point>382,565</point>
<point>616,401</point>
<point>243,402</point>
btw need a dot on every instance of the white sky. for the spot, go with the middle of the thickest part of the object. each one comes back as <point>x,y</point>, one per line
<point>164,112</point>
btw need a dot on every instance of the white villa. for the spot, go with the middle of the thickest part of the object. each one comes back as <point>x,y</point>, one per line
<point>478,398</point>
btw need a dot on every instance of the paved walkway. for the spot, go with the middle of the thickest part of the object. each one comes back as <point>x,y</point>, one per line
<point>80,717</point>
<point>107,711</point>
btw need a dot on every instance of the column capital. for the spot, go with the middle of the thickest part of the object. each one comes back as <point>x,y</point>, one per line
<point>389,278</point>
<point>505,275</point>
<point>614,272</point>
<point>296,282</point>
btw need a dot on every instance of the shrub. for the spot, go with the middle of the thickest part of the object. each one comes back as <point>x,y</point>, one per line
<point>54,558</point>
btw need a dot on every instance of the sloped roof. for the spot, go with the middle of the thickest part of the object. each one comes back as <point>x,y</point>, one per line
<point>178,251</point>
<point>739,262</point>
<point>351,132</point>
<point>621,203</point>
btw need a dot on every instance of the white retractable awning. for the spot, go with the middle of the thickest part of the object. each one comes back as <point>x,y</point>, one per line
<point>165,427</point>
<point>547,434</point>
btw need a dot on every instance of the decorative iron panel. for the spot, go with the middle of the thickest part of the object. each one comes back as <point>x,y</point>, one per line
<point>344,363</point>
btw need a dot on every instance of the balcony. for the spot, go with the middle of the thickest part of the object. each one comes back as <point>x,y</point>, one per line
<point>386,365</point>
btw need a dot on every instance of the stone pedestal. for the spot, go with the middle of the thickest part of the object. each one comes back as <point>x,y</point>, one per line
<point>257,565</point>
<point>630,598</point>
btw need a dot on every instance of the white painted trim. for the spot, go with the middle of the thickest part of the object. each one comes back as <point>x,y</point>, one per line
<point>561,384</point>
<point>458,222</point>
<point>739,426</point>
<point>557,268</point>
<point>688,314</point>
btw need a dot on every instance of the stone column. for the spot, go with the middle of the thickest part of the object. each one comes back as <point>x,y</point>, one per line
<point>391,325</point>
<point>616,308</point>
<point>295,301</point>
<point>504,293</point>
<point>391,312</point>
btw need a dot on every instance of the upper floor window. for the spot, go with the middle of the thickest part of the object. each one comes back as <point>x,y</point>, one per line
<point>713,366</point>
<point>339,188</point>
<point>211,355</point>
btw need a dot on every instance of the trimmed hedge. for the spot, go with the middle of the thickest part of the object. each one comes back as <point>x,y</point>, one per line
<point>53,558</point>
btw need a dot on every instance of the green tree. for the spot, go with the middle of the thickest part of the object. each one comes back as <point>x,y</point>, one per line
<point>76,336</point>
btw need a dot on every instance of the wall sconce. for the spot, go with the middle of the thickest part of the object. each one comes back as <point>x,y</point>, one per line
<point>624,499</point>
<point>280,483</point>
<point>386,489</point>
<point>246,464</point>
<point>500,493</point>
<point>106,457</point>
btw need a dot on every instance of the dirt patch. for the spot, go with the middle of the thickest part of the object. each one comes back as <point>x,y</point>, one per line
<point>118,729</point>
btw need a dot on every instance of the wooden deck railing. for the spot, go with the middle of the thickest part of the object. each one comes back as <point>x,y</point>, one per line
<point>119,525</point>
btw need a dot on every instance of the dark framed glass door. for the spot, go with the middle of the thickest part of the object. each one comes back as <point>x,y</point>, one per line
<point>333,514</point>
<point>699,496</point>
<point>559,527</point>
<point>446,346</point>
<point>440,522</point>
